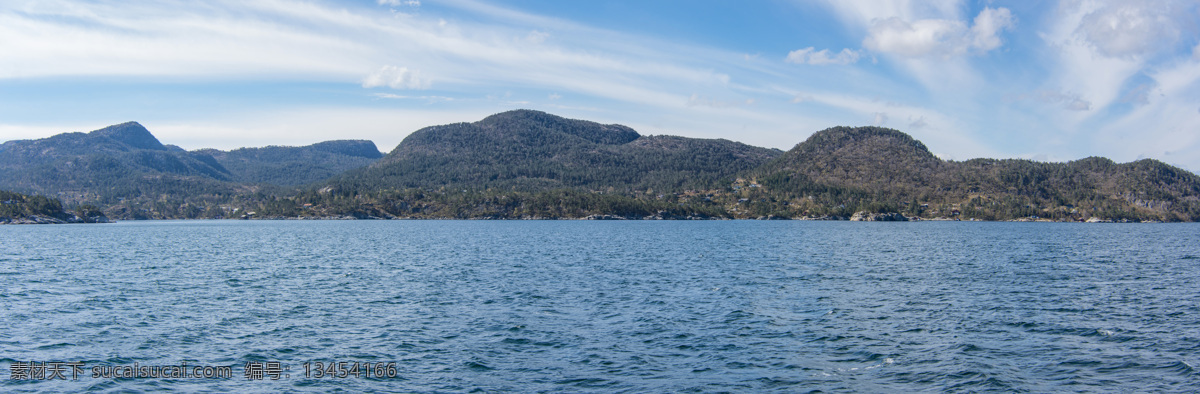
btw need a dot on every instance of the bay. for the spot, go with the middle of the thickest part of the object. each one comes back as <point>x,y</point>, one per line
<point>610,306</point>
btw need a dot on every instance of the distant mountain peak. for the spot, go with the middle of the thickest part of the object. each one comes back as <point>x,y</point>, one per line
<point>529,120</point>
<point>132,134</point>
<point>356,148</point>
<point>842,137</point>
<point>860,145</point>
<point>872,158</point>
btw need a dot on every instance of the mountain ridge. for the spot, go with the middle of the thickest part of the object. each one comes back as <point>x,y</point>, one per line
<point>532,164</point>
<point>897,173</point>
<point>132,134</point>
<point>527,150</point>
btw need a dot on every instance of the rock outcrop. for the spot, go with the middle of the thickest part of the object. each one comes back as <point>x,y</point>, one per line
<point>864,216</point>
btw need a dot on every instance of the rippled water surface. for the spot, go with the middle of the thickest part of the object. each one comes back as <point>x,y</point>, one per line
<point>581,306</point>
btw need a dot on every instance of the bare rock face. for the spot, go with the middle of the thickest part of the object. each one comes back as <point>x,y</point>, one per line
<point>864,216</point>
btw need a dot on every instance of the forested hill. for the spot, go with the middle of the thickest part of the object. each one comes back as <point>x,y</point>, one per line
<point>16,208</point>
<point>130,174</point>
<point>841,170</point>
<point>114,163</point>
<point>530,150</point>
<point>530,164</point>
<point>294,166</point>
<point>129,157</point>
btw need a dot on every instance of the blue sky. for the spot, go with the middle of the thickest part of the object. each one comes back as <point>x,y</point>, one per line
<point>1044,80</point>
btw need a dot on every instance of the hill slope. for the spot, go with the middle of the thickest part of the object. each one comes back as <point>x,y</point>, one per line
<point>294,166</point>
<point>841,170</point>
<point>530,164</point>
<point>531,150</point>
<point>116,162</point>
<point>16,208</point>
<point>126,170</point>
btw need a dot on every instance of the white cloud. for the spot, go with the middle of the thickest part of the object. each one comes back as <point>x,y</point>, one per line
<point>919,122</point>
<point>555,96</point>
<point>537,37</point>
<point>430,99</point>
<point>863,13</point>
<point>1130,28</point>
<point>1068,101</point>
<point>396,78</point>
<point>696,100</point>
<point>1101,46</point>
<point>821,57</point>
<point>1139,94</point>
<point>286,39</point>
<point>1165,132</point>
<point>920,38</point>
<point>989,23</point>
<point>938,37</point>
<point>939,131</point>
<point>481,48</point>
<point>1118,83</point>
<point>880,119</point>
<point>397,3</point>
<point>56,38</point>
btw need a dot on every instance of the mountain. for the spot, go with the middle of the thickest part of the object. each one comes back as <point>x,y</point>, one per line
<point>871,158</point>
<point>530,150</point>
<point>125,169</point>
<point>293,166</point>
<point>530,164</point>
<point>111,163</point>
<point>129,134</point>
<point>129,143</point>
<point>842,170</point>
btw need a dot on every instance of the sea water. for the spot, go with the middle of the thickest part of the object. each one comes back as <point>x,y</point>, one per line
<point>602,306</point>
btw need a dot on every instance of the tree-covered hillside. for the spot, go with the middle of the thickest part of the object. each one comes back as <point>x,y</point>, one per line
<point>127,171</point>
<point>20,208</point>
<point>530,164</point>
<point>294,166</point>
<point>530,151</point>
<point>843,170</point>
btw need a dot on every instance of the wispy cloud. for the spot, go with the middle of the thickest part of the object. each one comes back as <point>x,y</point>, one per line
<point>396,78</point>
<point>696,100</point>
<point>429,99</point>
<point>880,119</point>
<point>398,3</point>
<point>947,71</point>
<point>1069,101</point>
<point>1120,29</point>
<point>822,57</point>
<point>537,37</point>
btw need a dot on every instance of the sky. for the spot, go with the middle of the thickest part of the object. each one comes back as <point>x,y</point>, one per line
<point>1046,80</point>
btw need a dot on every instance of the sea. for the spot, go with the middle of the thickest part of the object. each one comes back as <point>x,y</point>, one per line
<point>599,306</point>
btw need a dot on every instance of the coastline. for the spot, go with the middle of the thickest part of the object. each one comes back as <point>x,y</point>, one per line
<point>587,218</point>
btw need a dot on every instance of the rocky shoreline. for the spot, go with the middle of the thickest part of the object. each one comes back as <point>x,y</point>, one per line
<point>39,219</point>
<point>857,217</point>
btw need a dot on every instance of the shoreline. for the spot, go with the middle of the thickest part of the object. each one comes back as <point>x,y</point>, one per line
<point>26,221</point>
